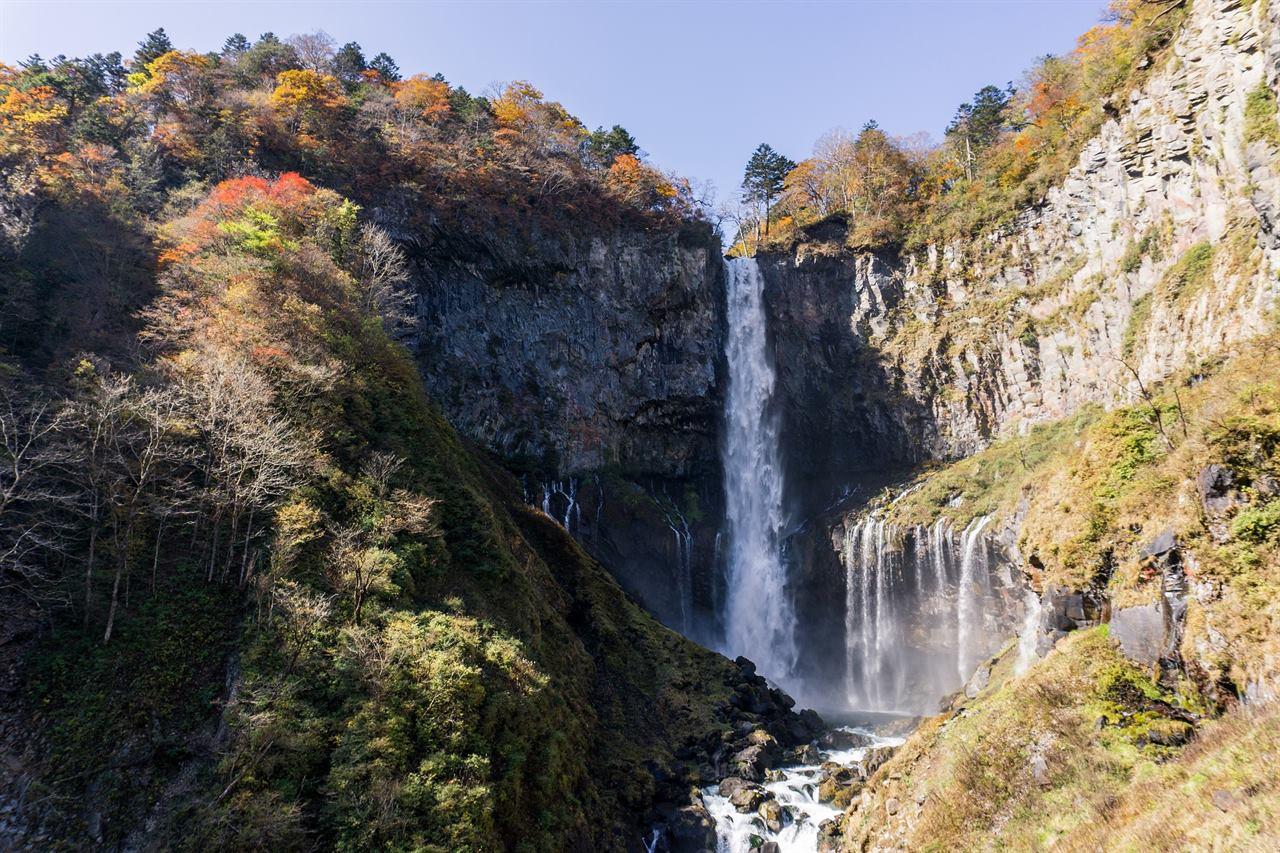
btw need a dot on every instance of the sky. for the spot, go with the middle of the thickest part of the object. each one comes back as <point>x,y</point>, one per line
<point>699,84</point>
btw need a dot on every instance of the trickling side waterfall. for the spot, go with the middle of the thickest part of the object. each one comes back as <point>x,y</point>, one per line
<point>921,611</point>
<point>759,620</point>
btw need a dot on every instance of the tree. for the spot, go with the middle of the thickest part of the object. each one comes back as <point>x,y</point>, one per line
<point>605,145</point>
<point>764,178</point>
<point>976,126</point>
<point>155,45</point>
<point>386,67</point>
<point>348,63</point>
<point>363,558</point>
<point>382,274</point>
<point>235,45</point>
<point>315,50</point>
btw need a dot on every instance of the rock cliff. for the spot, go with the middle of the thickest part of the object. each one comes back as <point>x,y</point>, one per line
<point>591,364</point>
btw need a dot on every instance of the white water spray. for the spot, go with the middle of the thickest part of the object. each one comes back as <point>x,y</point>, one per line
<point>759,621</point>
<point>973,569</point>
<point>1029,636</point>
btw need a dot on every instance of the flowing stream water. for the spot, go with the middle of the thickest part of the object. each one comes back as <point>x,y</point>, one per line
<point>797,793</point>
<point>759,620</point>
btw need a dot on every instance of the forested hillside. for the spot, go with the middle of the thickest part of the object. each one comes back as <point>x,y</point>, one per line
<point>256,591</point>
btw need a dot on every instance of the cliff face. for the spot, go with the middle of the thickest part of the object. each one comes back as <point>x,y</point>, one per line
<point>1158,250</point>
<point>590,365</point>
<point>1159,253</point>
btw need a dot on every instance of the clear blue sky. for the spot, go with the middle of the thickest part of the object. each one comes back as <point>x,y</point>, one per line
<point>700,84</point>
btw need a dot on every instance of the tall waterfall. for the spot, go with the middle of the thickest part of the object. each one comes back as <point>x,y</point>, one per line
<point>759,618</point>
<point>923,606</point>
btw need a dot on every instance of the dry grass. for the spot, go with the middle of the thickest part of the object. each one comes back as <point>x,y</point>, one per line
<point>967,782</point>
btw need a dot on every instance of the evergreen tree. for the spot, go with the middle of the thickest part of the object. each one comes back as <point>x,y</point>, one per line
<point>386,67</point>
<point>235,45</point>
<point>155,45</point>
<point>977,125</point>
<point>764,176</point>
<point>349,62</point>
<point>605,145</point>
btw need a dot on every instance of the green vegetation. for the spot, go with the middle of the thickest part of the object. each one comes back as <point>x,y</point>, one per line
<point>401,654</point>
<point>1189,274</point>
<point>1139,316</point>
<point>1260,116</point>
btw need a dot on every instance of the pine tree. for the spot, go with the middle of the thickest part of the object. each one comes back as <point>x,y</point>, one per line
<point>386,67</point>
<point>155,45</point>
<point>235,45</point>
<point>349,62</point>
<point>764,176</point>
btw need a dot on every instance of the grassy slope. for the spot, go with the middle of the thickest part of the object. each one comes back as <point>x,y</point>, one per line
<point>969,780</point>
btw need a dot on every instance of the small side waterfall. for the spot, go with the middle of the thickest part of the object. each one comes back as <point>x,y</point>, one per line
<point>921,610</point>
<point>683,542</point>
<point>1029,636</point>
<point>758,613</point>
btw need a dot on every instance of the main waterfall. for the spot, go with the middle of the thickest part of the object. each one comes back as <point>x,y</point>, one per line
<point>759,618</point>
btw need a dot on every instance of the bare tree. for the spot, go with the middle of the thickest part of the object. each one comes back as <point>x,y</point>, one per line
<point>32,521</point>
<point>383,275</point>
<point>249,455</point>
<point>315,50</point>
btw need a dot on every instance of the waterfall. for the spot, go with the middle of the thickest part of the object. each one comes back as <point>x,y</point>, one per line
<point>922,607</point>
<point>683,567</point>
<point>566,493</point>
<point>973,556</point>
<point>758,613</point>
<point>1029,636</point>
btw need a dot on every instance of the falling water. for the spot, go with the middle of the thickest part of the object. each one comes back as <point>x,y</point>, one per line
<point>1029,636</point>
<point>973,561</point>
<point>758,613</point>
<point>920,607</point>
<point>683,541</point>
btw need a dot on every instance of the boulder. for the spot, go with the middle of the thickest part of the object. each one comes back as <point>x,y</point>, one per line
<point>747,800</point>
<point>875,757</point>
<point>1161,545</point>
<point>730,785</point>
<point>838,792</point>
<point>751,762</point>
<point>772,814</point>
<point>829,832</point>
<point>691,829</point>
<point>978,681</point>
<point>844,739</point>
<point>1216,485</point>
<point>1140,632</point>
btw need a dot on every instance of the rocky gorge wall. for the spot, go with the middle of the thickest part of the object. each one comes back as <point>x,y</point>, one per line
<point>1158,253</point>
<point>1158,250</point>
<point>591,365</point>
